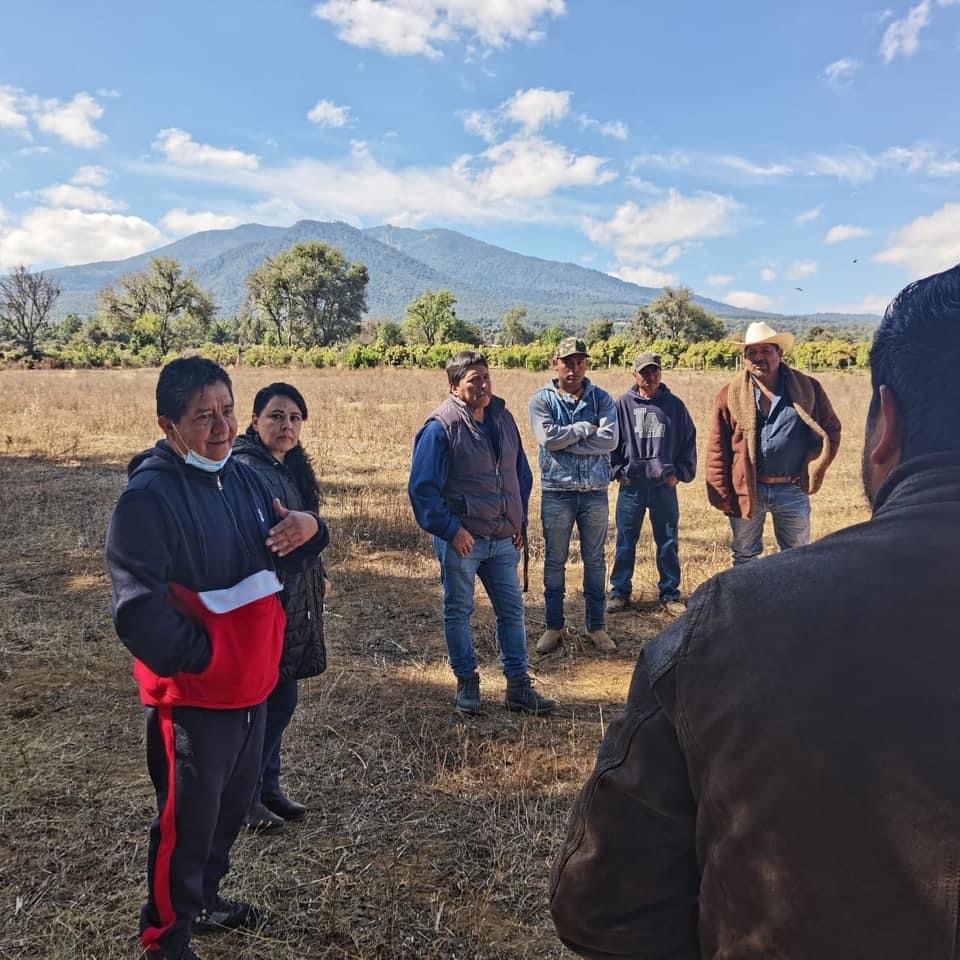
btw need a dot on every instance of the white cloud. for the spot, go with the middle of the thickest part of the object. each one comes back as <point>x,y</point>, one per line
<point>72,122</point>
<point>742,165</point>
<point>535,167</point>
<point>845,231</point>
<point>748,300</point>
<point>327,114</point>
<point>635,231</point>
<point>481,123</point>
<point>927,244</point>
<point>179,222</point>
<point>90,176</point>
<point>720,279</point>
<point>181,149</point>
<point>903,36</point>
<point>59,237</point>
<point>675,160</point>
<point>840,73</point>
<point>801,268</point>
<point>11,117</point>
<point>852,165</point>
<point>944,168</point>
<point>871,303</point>
<point>612,128</point>
<point>535,107</point>
<point>82,198</point>
<point>768,274</point>
<point>807,216</point>
<point>420,27</point>
<point>647,276</point>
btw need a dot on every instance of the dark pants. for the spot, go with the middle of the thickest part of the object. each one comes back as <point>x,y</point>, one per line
<point>632,503</point>
<point>203,764</point>
<point>280,707</point>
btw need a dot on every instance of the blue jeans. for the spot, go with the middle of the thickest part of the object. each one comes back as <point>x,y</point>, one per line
<point>559,510</point>
<point>790,508</point>
<point>632,503</point>
<point>495,562</point>
<point>280,706</point>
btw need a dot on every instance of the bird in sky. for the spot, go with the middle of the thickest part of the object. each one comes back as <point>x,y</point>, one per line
<point>856,261</point>
<point>799,288</point>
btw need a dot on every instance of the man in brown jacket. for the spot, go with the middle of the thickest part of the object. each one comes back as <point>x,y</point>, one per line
<point>784,782</point>
<point>772,437</point>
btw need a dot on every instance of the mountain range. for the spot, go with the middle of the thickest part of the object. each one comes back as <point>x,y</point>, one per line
<point>487,280</point>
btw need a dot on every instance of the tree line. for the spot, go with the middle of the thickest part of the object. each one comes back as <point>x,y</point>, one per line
<point>305,306</point>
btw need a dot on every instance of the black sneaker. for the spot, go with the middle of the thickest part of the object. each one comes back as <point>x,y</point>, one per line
<point>522,698</point>
<point>468,695</point>
<point>283,806</point>
<point>228,915</point>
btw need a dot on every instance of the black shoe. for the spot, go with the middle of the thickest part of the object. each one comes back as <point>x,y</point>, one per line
<point>468,695</point>
<point>261,820</point>
<point>181,953</point>
<point>522,698</point>
<point>228,915</point>
<point>282,806</point>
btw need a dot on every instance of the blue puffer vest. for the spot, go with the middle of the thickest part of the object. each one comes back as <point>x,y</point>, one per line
<point>482,489</point>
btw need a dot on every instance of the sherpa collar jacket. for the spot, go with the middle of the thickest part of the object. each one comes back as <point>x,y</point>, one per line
<point>784,780</point>
<point>731,468</point>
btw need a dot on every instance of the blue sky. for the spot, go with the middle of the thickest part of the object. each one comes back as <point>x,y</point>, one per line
<point>745,149</point>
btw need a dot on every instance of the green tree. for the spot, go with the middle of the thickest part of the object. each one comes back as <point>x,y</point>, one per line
<point>675,316</point>
<point>515,332</point>
<point>68,327</point>
<point>26,300</point>
<point>552,335</point>
<point>598,330</point>
<point>308,295</point>
<point>431,318</point>
<point>161,306</point>
<point>389,334</point>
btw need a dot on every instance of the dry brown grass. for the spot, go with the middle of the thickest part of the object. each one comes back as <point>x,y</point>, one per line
<point>428,837</point>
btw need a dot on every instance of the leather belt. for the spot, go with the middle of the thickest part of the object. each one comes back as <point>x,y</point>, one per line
<point>778,479</point>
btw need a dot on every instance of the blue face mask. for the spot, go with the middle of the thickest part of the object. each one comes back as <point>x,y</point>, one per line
<point>194,459</point>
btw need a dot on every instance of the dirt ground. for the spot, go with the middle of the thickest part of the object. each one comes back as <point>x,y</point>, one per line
<point>428,836</point>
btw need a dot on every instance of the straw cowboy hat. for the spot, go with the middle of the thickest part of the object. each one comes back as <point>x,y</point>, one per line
<point>761,332</point>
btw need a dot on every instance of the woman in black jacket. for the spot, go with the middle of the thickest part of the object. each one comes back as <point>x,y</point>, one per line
<point>271,445</point>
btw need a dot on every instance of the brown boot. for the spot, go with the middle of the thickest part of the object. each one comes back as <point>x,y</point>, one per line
<point>601,641</point>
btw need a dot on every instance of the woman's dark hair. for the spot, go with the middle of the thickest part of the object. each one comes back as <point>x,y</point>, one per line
<point>458,365</point>
<point>181,379</point>
<point>297,462</point>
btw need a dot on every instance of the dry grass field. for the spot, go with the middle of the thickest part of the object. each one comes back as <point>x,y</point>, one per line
<point>428,836</point>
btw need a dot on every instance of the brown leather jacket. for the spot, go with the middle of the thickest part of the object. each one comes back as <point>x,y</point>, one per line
<point>731,469</point>
<point>785,781</point>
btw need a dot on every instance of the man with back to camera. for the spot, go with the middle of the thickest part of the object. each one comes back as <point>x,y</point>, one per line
<point>656,451</point>
<point>773,435</point>
<point>469,486</point>
<point>575,423</point>
<point>784,780</point>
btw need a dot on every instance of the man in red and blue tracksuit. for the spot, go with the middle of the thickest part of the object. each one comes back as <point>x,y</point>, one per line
<point>195,601</point>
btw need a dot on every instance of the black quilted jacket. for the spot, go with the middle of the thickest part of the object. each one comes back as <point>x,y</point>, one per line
<point>304,652</point>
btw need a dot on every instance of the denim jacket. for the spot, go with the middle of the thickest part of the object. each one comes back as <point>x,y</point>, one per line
<point>575,439</point>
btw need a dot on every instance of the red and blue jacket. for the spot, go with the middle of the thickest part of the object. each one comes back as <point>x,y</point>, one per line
<point>194,585</point>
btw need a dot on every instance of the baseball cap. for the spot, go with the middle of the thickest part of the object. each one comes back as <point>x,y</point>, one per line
<point>646,360</point>
<point>569,346</point>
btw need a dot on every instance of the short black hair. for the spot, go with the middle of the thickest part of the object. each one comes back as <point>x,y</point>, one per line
<point>916,353</point>
<point>460,363</point>
<point>181,379</point>
<point>279,389</point>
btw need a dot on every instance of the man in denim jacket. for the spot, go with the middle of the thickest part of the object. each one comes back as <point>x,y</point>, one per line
<point>575,424</point>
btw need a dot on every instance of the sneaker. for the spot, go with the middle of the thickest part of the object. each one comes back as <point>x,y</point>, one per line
<point>228,915</point>
<point>675,606</point>
<point>181,953</point>
<point>261,820</point>
<point>468,695</point>
<point>601,640</point>
<point>522,698</point>
<point>282,806</point>
<point>617,604</point>
<point>550,640</point>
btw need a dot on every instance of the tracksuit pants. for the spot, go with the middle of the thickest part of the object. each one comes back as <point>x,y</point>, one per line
<point>204,765</point>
